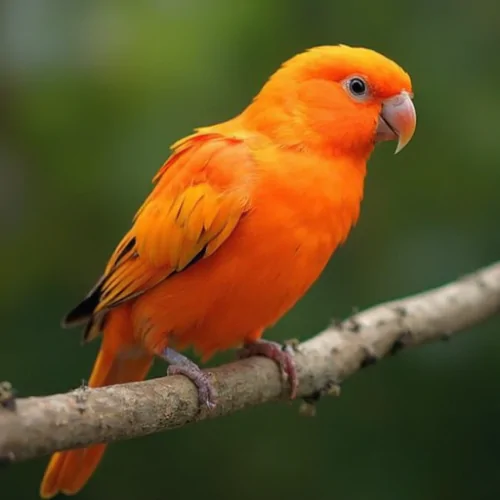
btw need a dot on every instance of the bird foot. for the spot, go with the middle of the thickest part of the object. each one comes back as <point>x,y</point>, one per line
<point>181,365</point>
<point>278,353</point>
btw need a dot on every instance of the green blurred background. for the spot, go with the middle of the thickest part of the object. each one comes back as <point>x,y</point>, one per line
<point>92,95</point>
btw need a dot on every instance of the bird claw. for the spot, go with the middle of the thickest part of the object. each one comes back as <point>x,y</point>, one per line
<point>206,391</point>
<point>180,365</point>
<point>278,353</point>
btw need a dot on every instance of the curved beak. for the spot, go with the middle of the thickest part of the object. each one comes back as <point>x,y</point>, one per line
<point>397,120</point>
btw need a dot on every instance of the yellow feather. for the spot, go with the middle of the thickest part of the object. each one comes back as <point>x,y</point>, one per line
<point>195,226</point>
<point>174,245</point>
<point>210,210</point>
<point>192,197</point>
<point>223,235</point>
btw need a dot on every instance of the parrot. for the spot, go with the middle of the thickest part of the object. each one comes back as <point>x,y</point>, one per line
<point>242,218</point>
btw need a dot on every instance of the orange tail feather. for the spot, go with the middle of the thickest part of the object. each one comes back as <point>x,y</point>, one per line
<point>68,471</point>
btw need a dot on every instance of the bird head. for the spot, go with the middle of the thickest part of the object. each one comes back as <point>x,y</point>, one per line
<point>339,98</point>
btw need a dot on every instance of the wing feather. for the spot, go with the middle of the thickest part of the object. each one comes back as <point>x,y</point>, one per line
<point>200,195</point>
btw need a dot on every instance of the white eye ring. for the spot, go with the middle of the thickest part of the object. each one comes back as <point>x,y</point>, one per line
<point>357,87</point>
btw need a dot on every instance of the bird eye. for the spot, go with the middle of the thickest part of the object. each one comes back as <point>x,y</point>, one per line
<point>357,87</point>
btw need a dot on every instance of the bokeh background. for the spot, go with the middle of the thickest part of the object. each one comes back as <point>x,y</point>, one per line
<point>92,95</point>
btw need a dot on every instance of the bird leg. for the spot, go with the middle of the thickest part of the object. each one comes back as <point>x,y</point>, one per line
<point>181,365</point>
<point>278,353</point>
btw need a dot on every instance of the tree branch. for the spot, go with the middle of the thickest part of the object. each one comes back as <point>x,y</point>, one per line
<point>40,425</point>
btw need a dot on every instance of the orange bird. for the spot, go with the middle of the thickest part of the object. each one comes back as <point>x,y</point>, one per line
<point>242,219</point>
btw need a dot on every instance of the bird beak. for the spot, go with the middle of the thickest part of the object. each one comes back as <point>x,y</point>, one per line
<point>397,120</point>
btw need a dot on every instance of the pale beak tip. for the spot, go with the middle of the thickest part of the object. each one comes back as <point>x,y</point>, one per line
<point>403,141</point>
<point>401,145</point>
<point>399,113</point>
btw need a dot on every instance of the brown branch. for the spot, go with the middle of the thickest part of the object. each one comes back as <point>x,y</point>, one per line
<point>40,425</point>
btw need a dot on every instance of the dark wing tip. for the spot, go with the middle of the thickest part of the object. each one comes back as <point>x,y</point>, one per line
<point>84,311</point>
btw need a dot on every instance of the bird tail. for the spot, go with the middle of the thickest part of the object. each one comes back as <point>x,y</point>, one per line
<point>68,471</point>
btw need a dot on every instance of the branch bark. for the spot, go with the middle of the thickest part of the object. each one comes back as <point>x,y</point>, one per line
<point>38,426</point>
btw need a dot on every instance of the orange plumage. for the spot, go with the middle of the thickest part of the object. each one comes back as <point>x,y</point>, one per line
<point>242,219</point>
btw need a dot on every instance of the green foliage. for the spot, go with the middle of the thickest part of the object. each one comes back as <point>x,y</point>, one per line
<point>95,92</point>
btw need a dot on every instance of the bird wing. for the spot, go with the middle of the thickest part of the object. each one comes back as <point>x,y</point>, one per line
<point>200,195</point>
